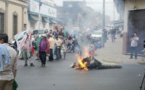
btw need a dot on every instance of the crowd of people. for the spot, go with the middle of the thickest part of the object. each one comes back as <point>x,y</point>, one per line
<point>54,45</point>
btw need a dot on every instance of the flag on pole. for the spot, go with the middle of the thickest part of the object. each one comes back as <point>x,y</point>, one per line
<point>20,40</point>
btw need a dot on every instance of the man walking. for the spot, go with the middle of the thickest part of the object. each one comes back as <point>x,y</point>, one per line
<point>134,44</point>
<point>8,61</point>
<point>44,47</point>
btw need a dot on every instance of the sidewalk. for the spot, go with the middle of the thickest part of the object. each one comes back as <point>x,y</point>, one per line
<point>112,52</point>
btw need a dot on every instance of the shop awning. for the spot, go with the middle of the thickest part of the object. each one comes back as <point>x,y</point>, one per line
<point>33,17</point>
<point>45,20</point>
<point>52,21</point>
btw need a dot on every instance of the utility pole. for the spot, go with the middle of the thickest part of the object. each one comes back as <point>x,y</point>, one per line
<point>103,23</point>
<point>114,12</point>
<point>114,15</point>
<point>40,4</point>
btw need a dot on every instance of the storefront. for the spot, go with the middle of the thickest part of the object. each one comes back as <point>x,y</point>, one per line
<point>47,17</point>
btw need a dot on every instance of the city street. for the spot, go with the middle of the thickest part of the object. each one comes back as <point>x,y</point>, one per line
<point>105,33</point>
<point>58,75</point>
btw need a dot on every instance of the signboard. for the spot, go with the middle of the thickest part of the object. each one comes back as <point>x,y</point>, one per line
<point>44,10</point>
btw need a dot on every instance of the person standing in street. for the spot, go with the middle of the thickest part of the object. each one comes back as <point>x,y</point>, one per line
<point>8,62</point>
<point>113,33</point>
<point>27,51</point>
<point>37,46</point>
<point>58,43</point>
<point>52,43</point>
<point>43,50</point>
<point>64,50</point>
<point>134,44</point>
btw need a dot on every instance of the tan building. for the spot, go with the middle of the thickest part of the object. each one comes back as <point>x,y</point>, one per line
<point>13,16</point>
<point>134,21</point>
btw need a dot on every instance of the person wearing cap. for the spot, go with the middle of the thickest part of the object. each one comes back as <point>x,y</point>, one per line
<point>44,48</point>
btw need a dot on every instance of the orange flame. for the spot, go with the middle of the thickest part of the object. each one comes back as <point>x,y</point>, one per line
<point>86,52</point>
<point>83,65</point>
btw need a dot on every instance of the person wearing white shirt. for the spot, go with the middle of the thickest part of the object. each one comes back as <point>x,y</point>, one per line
<point>134,44</point>
<point>58,42</point>
<point>52,43</point>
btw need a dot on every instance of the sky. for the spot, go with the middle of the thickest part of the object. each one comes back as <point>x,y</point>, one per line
<point>97,5</point>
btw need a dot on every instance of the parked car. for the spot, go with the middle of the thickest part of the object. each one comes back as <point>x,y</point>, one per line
<point>97,35</point>
<point>39,32</point>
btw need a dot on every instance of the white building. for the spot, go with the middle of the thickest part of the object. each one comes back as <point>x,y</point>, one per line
<point>47,15</point>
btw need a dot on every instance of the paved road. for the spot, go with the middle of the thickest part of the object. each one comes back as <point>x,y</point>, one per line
<point>58,75</point>
<point>112,52</point>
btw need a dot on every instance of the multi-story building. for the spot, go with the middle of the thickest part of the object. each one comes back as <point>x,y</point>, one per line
<point>134,21</point>
<point>71,11</point>
<point>41,14</point>
<point>75,13</point>
<point>13,16</point>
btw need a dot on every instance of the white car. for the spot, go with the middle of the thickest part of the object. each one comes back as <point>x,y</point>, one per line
<point>97,35</point>
<point>39,32</point>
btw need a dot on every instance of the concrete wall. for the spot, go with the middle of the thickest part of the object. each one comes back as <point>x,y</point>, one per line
<point>11,10</point>
<point>2,5</point>
<point>10,7</point>
<point>130,5</point>
<point>35,25</point>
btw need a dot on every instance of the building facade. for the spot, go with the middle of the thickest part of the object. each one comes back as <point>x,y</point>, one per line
<point>134,21</point>
<point>13,16</point>
<point>41,15</point>
<point>70,11</point>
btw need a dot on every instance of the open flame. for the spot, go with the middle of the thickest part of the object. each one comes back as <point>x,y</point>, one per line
<point>82,65</point>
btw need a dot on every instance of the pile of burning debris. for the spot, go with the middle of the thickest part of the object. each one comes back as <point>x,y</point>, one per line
<point>90,63</point>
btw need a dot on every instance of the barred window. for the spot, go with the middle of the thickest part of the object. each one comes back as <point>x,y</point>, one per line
<point>15,24</point>
<point>1,22</point>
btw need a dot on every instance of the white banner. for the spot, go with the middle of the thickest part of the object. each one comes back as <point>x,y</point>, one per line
<point>44,10</point>
<point>20,40</point>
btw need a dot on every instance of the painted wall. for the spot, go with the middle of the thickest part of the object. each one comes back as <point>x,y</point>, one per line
<point>131,5</point>
<point>2,5</point>
<point>15,6</point>
<point>35,25</point>
<point>11,10</point>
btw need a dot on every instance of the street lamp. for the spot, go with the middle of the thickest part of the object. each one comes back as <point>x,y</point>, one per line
<point>40,4</point>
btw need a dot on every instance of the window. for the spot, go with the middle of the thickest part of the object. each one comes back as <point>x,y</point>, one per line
<point>15,26</point>
<point>1,22</point>
<point>25,26</point>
